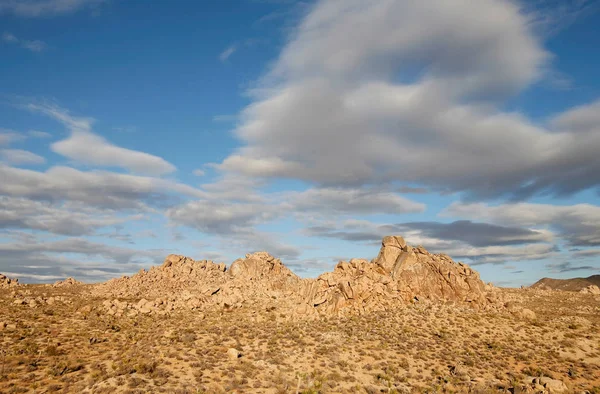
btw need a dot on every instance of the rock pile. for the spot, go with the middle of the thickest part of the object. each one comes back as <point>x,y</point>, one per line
<point>183,283</point>
<point>177,274</point>
<point>39,301</point>
<point>400,274</point>
<point>6,282</point>
<point>67,282</point>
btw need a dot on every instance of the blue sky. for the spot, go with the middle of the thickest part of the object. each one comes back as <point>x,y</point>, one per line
<point>310,129</point>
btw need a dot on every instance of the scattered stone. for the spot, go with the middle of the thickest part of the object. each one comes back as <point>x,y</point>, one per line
<point>234,354</point>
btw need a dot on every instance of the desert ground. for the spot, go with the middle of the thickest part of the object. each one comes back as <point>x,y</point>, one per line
<point>82,338</point>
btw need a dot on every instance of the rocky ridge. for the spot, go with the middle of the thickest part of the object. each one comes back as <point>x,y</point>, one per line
<point>586,285</point>
<point>400,274</point>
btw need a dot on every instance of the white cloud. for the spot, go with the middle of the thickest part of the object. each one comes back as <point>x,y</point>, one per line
<point>389,91</point>
<point>43,8</point>
<point>20,156</point>
<point>8,136</point>
<point>225,218</point>
<point>199,172</point>
<point>65,219</point>
<point>86,147</point>
<point>582,119</point>
<point>100,189</point>
<point>32,45</point>
<point>332,201</point>
<point>226,54</point>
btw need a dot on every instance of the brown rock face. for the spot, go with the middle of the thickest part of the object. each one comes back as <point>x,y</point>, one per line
<point>6,282</point>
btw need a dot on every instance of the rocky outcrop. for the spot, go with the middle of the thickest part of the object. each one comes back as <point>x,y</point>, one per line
<point>177,274</point>
<point>259,279</point>
<point>399,274</point>
<point>6,282</point>
<point>67,282</point>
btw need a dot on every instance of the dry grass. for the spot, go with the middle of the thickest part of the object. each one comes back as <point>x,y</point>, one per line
<point>69,348</point>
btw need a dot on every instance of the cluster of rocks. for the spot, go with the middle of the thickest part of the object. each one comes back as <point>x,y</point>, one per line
<point>182,283</point>
<point>177,274</point>
<point>6,282</point>
<point>399,275</point>
<point>545,385</point>
<point>34,302</point>
<point>158,306</point>
<point>70,281</point>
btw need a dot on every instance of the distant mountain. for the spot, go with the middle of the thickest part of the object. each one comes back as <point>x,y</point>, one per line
<point>573,284</point>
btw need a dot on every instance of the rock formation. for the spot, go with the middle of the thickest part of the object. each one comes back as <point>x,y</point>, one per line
<point>177,274</point>
<point>6,282</point>
<point>67,282</point>
<point>400,274</point>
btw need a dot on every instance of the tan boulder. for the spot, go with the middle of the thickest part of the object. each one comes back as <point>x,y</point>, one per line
<point>553,385</point>
<point>234,354</point>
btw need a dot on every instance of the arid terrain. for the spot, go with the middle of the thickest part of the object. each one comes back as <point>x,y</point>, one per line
<point>406,322</point>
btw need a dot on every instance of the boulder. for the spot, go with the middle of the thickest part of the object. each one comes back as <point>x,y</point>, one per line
<point>234,354</point>
<point>553,385</point>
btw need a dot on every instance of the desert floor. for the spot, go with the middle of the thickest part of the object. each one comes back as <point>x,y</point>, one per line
<point>73,346</point>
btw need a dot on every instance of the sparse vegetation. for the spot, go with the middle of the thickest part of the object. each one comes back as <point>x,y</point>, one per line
<point>416,348</point>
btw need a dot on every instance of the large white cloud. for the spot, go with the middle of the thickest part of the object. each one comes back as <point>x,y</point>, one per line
<point>86,147</point>
<point>411,91</point>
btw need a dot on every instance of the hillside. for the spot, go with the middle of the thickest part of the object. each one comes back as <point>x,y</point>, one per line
<point>573,284</point>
